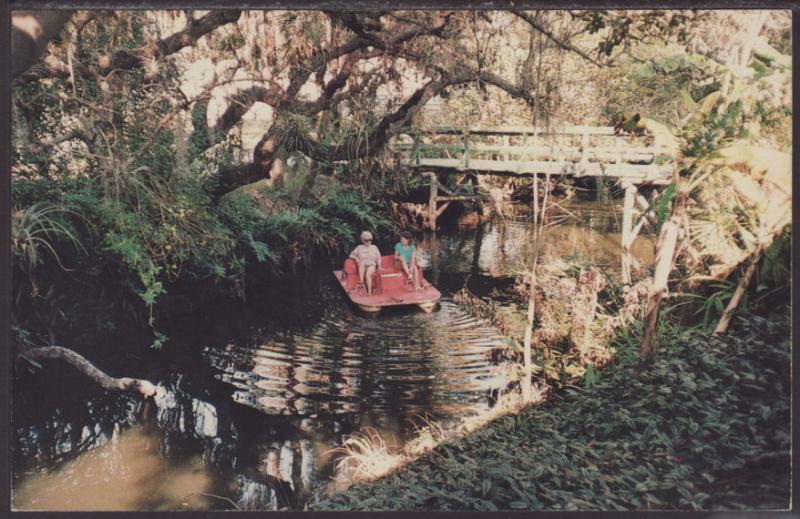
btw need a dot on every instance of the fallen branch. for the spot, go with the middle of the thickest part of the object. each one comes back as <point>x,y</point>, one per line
<point>741,287</point>
<point>107,382</point>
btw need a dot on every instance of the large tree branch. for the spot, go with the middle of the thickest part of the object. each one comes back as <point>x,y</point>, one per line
<point>126,59</point>
<point>243,101</point>
<point>291,139</point>
<point>325,103</point>
<point>227,180</point>
<point>299,74</point>
<point>329,98</point>
<point>196,29</point>
<point>276,97</point>
<point>107,382</point>
<point>357,146</point>
<point>518,91</point>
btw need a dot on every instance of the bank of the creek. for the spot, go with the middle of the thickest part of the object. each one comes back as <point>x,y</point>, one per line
<point>704,427</point>
<point>257,396</point>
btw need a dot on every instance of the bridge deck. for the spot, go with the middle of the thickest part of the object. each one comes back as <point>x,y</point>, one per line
<point>636,173</point>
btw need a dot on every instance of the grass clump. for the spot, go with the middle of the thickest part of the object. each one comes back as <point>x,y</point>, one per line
<point>367,457</point>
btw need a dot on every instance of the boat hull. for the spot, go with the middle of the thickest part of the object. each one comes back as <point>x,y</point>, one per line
<point>393,291</point>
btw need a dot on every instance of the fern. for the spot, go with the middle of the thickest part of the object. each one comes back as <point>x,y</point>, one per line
<point>261,250</point>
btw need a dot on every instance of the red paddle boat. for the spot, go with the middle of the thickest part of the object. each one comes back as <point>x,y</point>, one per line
<point>390,286</point>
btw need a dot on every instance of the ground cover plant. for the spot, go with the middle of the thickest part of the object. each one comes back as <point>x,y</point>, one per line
<point>706,426</point>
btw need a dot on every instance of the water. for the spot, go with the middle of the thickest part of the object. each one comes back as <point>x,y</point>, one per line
<point>399,365</point>
<point>257,398</point>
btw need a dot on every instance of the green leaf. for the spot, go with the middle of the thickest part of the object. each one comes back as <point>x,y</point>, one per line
<point>665,203</point>
<point>688,102</point>
<point>33,362</point>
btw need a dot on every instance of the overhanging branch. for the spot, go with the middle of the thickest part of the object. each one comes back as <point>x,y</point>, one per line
<point>79,362</point>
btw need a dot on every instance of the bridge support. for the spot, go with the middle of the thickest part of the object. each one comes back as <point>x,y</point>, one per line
<point>432,200</point>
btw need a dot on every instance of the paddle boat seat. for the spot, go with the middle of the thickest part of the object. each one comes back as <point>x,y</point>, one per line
<point>390,276</point>
<point>351,279</point>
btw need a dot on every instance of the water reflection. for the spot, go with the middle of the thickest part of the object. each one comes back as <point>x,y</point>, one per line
<point>403,362</point>
<point>77,429</point>
<point>581,232</point>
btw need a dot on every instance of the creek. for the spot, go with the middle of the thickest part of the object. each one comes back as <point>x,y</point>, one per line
<point>257,396</point>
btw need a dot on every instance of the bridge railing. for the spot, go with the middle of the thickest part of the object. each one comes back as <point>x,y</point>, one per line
<point>519,144</point>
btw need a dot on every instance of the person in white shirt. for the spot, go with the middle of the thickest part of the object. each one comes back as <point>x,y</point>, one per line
<point>367,258</point>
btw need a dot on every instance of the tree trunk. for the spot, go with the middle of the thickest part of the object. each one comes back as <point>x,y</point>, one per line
<point>526,354</point>
<point>538,230</point>
<point>144,387</point>
<point>627,231</point>
<point>664,263</point>
<point>744,52</point>
<point>526,343</point>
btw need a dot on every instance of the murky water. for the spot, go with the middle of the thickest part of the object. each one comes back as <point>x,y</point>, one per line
<point>257,399</point>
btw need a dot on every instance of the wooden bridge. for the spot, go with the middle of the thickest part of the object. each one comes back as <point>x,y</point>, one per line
<point>577,151</point>
<point>520,151</point>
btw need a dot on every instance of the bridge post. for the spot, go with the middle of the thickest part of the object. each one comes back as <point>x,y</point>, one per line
<point>627,230</point>
<point>432,200</point>
<point>465,157</point>
<point>584,146</point>
<point>584,159</point>
<point>524,155</point>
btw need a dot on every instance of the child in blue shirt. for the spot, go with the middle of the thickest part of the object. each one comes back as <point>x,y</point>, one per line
<point>406,253</point>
